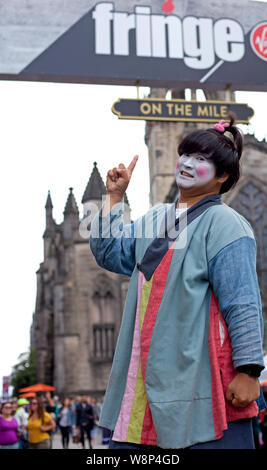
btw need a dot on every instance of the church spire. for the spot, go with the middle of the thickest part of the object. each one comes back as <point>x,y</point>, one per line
<point>71,205</point>
<point>48,204</point>
<point>71,217</point>
<point>95,188</point>
<point>50,223</point>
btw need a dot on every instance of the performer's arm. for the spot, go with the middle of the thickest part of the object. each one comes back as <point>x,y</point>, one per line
<point>233,276</point>
<point>112,243</point>
<point>113,249</point>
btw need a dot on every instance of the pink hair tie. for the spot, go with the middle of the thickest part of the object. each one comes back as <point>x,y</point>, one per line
<point>220,126</point>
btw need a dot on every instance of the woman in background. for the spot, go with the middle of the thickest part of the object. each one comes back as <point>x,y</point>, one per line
<point>39,425</point>
<point>66,421</point>
<point>8,428</point>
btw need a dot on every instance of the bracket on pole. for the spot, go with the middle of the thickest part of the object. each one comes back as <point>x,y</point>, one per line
<point>137,89</point>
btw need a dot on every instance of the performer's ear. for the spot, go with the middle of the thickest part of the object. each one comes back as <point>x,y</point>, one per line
<point>223,178</point>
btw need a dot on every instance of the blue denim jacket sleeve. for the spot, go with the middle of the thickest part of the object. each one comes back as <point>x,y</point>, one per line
<point>233,277</point>
<point>113,243</point>
<point>71,418</point>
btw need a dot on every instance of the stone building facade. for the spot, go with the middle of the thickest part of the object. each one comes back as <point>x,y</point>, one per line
<point>79,305</point>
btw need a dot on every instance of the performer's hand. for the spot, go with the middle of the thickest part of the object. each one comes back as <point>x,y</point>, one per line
<point>243,390</point>
<point>119,178</point>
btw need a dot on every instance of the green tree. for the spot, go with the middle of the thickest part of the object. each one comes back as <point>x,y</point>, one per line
<point>24,372</point>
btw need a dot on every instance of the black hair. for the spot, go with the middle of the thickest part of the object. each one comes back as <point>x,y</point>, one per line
<point>222,150</point>
<point>5,403</point>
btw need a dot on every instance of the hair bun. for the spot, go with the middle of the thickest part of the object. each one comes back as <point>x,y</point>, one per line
<point>232,118</point>
<point>236,133</point>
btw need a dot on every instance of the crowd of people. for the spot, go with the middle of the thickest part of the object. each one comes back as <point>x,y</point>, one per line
<point>32,424</point>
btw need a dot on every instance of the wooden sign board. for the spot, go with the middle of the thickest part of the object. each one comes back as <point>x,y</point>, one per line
<point>155,109</point>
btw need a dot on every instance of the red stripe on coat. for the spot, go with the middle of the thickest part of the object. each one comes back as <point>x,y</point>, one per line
<point>155,297</point>
<point>222,373</point>
<point>148,434</point>
<point>218,401</point>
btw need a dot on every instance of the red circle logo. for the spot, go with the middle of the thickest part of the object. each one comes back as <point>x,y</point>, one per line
<point>258,40</point>
<point>168,6</point>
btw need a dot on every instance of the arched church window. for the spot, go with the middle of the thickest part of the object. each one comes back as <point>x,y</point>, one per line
<point>104,341</point>
<point>103,329</point>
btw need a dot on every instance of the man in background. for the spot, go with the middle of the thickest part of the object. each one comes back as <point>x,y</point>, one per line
<point>85,419</point>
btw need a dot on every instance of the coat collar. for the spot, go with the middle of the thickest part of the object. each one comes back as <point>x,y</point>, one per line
<point>160,245</point>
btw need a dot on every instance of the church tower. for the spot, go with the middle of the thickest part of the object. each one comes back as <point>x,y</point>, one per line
<point>42,336</point>
<point>162,140</point>
<point>79,305</point>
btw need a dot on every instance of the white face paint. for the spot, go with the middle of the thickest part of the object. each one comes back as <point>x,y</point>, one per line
<point>200,170</point>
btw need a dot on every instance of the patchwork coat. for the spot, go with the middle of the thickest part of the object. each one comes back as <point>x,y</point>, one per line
<point>192,315</point>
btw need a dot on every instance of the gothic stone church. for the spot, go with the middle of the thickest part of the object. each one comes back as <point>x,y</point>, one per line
<point>79,305</point>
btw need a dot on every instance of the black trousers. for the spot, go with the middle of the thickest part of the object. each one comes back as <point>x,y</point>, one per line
<point>238,435</point>
<point>86,429</point>
<point>65,435</point>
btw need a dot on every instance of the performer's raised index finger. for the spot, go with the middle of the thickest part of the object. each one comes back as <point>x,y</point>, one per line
<point>133,163</point>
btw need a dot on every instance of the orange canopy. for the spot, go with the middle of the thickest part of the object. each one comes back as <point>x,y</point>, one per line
<point>27,395</point>
<point>38,388</point>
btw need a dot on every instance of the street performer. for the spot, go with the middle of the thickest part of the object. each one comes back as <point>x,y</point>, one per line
<point>189,353</point>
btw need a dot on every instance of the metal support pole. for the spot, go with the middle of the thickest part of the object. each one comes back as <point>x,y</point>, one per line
<point>137,89</point>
